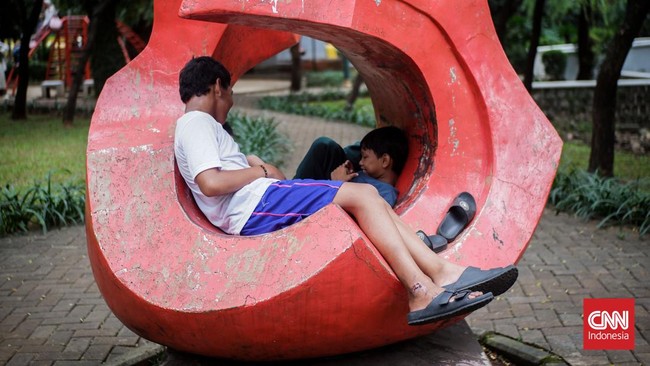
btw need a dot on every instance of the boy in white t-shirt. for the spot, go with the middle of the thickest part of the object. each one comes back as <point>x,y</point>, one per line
<point>244,195</point>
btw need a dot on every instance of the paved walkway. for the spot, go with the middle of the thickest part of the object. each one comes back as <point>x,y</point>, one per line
<point>51,312</point>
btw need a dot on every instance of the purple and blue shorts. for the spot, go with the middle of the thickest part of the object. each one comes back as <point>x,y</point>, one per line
<point>286,202</point>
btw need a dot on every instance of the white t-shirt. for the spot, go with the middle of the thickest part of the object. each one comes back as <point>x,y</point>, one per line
<point>201,143</point>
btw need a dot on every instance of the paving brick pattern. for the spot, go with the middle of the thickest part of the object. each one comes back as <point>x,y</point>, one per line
<point>569,260</point>
<point>51,312</point>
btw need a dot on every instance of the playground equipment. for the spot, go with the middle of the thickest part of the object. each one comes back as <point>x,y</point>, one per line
<point>319,287</point>
<point>65,48</point>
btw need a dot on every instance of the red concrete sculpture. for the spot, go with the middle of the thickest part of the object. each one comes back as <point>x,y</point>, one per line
<point>318,287</point>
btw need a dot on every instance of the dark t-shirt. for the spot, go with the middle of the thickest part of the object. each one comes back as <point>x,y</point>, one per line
<point>388,192</point>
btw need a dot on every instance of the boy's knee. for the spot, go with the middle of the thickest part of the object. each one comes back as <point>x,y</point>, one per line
<point>368,192</point>
<point>324,143</point>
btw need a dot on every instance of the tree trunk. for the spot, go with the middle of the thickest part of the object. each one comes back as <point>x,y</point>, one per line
<point>354,93</point>
<point>538,14</point>
<point>502,11</point>
<point>29,24</point>
<point>601,159</point>
<point>98,11</point>
<point>296,68</point>
<point>106,57</point>
<point>585,53</point>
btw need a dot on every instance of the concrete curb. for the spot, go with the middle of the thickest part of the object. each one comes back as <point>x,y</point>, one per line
<point>518,352</point>
<point>138,355</point>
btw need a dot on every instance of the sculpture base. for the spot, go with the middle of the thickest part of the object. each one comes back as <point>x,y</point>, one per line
<point>449,346</point>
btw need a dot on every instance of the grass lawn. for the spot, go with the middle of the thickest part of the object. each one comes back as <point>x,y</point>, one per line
<point>626,166</point>
<point>30,149</point>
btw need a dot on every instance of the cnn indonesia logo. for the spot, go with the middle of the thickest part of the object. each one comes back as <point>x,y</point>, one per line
<point>608,324</point>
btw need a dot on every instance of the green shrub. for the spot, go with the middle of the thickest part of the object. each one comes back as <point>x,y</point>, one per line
<point>324,78</point>
<point>259,136</point>
<point>45,205</point>
<point>307,104</point>
<point>591,196</point>
<point>554,64</point>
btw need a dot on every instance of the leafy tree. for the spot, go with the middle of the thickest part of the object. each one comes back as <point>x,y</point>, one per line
<point>502,11</point>
<point>601,158</point>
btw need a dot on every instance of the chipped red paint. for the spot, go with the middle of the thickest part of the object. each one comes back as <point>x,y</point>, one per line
<point>319,287</point>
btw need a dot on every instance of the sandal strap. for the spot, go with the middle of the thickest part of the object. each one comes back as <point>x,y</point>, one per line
<point>453,294</point>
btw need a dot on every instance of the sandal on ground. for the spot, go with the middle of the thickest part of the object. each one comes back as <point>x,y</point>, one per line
<point>442,307</point>
<point>496,280</point>
<point>437,243</point>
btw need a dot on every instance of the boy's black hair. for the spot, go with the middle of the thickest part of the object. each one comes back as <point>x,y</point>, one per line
<point>199,74</point>
<point>388,140</point>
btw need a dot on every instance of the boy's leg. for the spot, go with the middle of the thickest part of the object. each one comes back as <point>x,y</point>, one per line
<point>321,159</point>
<point>372,215</point>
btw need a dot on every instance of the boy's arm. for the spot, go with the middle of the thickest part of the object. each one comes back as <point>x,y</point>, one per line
<point>215,182</point>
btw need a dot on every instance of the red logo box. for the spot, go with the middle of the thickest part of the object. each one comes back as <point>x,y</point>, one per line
<point>608,324</point>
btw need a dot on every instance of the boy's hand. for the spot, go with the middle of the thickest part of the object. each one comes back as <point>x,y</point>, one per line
<point>344,172</point>
<point>254,160</point>
<point>274,172</point>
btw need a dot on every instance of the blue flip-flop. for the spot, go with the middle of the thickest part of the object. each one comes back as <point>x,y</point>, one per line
<point>441,307</point>
<point>495,280</point>
<point>436,242</point>
<point>458,216</point>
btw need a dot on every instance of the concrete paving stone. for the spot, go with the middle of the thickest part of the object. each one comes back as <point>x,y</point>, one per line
<point>14,319</point>
<point>21,359</point>
<point>25,328</point>
<point>74,326</point>
<point>641,344</point>
<point>60,337</point>
<point>16,343</point>
<point>78,344</point>
<point>116,352</point>
<point>642,322</point>
<point>125,332</point>
<point>58,355</point>
<point>580,360</point>
<point>93,298</point>
<point>546,315</point>
<point>74,363</point>
<point>43,332</point>
<point>99,332</point>
<point>526,299</point>
<point>618,357</point>
<point>97,315</point>
<point>531,323</point>
<point>562,343</point>
<point>534,336</point>
<point>60,321</point>
<point>80,311</point>
<point>41,348</point>
<point>64,305</point>
<point>129,341</point>
<point>44,314</point>
<point>508,329</point>
<point>562,330</point>
<point>533,289</point>
<point>569,320</point>
<point>5,355</point>
<point>643,358</point>
<point>97,352</point>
